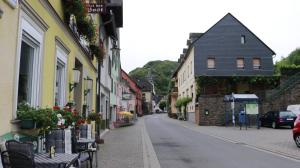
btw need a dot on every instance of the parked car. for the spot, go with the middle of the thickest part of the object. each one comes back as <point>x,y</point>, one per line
<point>296,131</point>
<point>276,119</point>
<point>295,108</point>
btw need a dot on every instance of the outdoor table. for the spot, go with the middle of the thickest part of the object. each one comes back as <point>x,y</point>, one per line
<point>86,142</point>
<point>59,160</point>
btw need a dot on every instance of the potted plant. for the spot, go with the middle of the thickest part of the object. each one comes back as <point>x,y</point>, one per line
<point>25,114</point>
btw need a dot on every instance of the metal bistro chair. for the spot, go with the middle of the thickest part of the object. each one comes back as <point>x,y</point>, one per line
<point>85,154</point>
<point>18,155</point>
<point>5,159</point>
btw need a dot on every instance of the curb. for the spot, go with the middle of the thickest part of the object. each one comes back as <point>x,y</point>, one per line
<point>149,155</point>
<point>104,133</point>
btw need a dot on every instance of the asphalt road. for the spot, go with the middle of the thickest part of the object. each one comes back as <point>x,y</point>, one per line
<point>180,147</point>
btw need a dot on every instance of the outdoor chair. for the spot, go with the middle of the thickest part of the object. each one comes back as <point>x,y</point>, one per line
<point>57,139</point>
<point>5,159</point>
<point>85,153</point>
<point>20,154</point>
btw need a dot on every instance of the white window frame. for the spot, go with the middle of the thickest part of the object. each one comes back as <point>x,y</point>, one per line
<point>256,66</point>
<point>211,61</point>
<point>238,65</point>
<point>30,30</point>
<point>62,59</point>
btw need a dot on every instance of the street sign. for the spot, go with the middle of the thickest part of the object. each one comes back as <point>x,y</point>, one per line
<point>95,7</point>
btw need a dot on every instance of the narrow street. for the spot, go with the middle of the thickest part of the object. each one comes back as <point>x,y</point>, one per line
<point>179,147</point>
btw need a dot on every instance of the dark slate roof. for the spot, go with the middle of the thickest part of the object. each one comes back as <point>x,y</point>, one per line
<point>197,36</point>
<point>144,84</point>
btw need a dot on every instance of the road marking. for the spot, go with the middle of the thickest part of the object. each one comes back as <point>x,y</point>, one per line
<point>149,155</point>
<point>275,153</point>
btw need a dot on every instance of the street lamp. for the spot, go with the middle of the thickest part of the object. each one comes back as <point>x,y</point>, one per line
<point>89,85</point>
<point>76,79</point>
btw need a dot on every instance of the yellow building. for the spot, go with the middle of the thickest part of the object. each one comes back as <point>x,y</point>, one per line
<point>8,42</point>
<point>40,56</point>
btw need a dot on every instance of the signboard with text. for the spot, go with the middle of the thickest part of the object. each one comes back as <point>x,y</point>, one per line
<point>96,7</point>
<point>252,108</point>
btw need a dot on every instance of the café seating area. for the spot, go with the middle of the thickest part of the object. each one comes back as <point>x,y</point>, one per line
<point>64,148</point>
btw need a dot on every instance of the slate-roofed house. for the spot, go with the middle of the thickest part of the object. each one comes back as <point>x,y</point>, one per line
<point>227,49</point>
<point>234,49</point>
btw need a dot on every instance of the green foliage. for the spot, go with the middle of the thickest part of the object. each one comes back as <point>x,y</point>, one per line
<point>289,70</point>
<point>232,81</point>
<point>84,25</point>
<point>293,59</point>
<point>183,102</point>
<point>162,105</point>
<point>24,111</point>
<point>161,72</point>
<point>94,117</point>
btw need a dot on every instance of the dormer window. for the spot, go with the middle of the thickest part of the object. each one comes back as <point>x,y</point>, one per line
<point>243,39</point>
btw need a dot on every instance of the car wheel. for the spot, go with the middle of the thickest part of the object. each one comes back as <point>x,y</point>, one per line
<point>274,125</point>
<point>292,126</point>
<point>297,140</point>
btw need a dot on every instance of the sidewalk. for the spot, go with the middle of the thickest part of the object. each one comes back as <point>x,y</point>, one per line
<point>128,147</point>
<point>278,141</point>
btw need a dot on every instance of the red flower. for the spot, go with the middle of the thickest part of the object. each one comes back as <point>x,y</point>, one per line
<point>56,108</point>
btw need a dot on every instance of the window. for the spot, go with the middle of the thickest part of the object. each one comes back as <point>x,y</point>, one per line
<point>243,39</point>
<point>28,70</point>
<point>211,63</point>
<point>109,66</point>
<point>26,73</point>
<point>240,63</point>
<point>60,81</point>
<point>256,63</point>
<point>191,67</point>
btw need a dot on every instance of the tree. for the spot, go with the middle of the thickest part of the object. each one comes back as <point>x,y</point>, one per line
<point>162,105</point>
<point>183,102</point>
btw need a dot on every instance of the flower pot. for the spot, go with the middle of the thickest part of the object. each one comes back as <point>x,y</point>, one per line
<point>27,123</point>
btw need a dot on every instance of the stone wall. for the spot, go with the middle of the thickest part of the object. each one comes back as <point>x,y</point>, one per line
<point>217,108</point>
<point>289,97</point>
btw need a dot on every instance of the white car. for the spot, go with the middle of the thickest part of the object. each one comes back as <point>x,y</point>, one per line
<point>295,108</point>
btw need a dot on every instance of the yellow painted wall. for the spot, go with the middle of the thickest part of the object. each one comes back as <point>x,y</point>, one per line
<point>48,65</point>
<point>8,43</point>
<point>57,5</point>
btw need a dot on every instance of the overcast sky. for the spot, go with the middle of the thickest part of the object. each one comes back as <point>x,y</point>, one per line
<point>158,29</point>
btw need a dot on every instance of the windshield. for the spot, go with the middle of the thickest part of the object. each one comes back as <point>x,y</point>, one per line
<point>286,114</point>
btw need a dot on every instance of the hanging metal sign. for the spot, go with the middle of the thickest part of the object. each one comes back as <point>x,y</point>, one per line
<point>95,7</point>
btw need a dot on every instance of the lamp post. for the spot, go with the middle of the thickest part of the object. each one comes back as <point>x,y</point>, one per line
<point>75,81</point>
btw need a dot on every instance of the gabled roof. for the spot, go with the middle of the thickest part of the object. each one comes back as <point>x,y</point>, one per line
<point>203,34</point>
<point>193,38</point>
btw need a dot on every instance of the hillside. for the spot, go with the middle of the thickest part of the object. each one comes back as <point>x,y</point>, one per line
<point>293,59</point>
<point>161,72</point>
